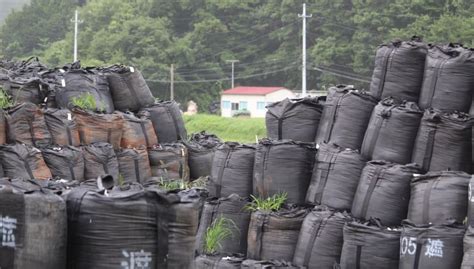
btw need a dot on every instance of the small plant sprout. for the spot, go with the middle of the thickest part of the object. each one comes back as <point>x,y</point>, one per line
<point>272,203</point>
<point>5,100</point>
<point>87,101</point>
<point>220,230</point>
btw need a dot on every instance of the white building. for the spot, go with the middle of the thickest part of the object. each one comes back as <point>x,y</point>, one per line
<point>252,99</point>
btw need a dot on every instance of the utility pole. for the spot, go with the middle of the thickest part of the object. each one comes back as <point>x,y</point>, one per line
<point>172,82</point>
<point>303,82</point>
<point>232,62</point>
<point>76,22</point>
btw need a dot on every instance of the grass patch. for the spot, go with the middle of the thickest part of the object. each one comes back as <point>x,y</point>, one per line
<point>272,203</point>
<point>5,100</point>
<point>220,230</point>
<point>180,184</point>
<point>241,130</point>
<point>86,101</point>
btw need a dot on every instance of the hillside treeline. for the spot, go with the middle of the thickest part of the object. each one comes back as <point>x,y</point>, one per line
<point>198,36</point>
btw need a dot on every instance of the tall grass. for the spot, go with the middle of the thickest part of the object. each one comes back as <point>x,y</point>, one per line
<point>241,130</point>
<point>272,203</point>
<point>180,184</point>
<point>220,230</point>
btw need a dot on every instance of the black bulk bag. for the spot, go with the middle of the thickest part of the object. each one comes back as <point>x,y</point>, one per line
<point>271,264</point>
<point>26,125</point>
<point>23,161</point>
<point>232,170</point>
<point>24,90</point>
<point>137,131</point>
<point>273,235</point>
<point>398,70</point>
<point>345,117</point>
<point>169,161</point>
<point>65,162</point>
<point>232,208</point>
<point>97,127</point>
<point>468,246</point>
<point>112,229</point>
<point>295,119</point>
<point>392,131</point>
<point>218,262</point>
<point>439,196</point>
<point>78,83</point>
<point>167,121</point>
<point>100,159</point>
<point>444,142</point>
<point>128,88</point>
<point>384,192</point>
<point>34,227</point>
<point>134,165</point>
<point>431,246</point>
<point>320,240</point>
<point>178,220</point>
<point>201,147</point>
<point>283,166</point>
<point>335,177</point>
<point>62,127</point>
<point>370,245</point>
<point>3,128</point>
<point>448,80</point>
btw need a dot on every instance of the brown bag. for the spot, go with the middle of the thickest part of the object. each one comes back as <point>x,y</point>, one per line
<point>62,126</point>
<point>169,161</point>
<point>26,125</point>
<point>137,131</point>
<point>23,161</point>
<point>95,127</point>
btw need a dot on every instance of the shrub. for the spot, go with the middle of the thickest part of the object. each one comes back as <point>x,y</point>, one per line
<point>272,203</point>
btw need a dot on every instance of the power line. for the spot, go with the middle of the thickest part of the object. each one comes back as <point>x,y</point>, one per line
<point>341,75</point>
<point>225,79</point>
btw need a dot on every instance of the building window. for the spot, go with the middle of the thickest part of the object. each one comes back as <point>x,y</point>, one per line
<point>225,104</point>
<point>235,106</point>
<point>260,105</point>
<point>243,105</point>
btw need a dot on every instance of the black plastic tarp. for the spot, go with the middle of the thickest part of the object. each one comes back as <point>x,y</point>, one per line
<point>384,192</point>
<point>444,141</point>
<point>448,81</point>
<point>128,88</point>
<point>370,245</point>
<point>112,229</point>
<point>392,131</point>
<point>468,246</point>
<point>439,196</point>
<point>65,162</point>
<point>335,177</point>
<point>283,167</point>
<point>24,89</point>
<point>345,117</point>
<point>34,227</point>
<point>431,246</point>
<point>134,165</point>
<point>268,264</point>
<point>3,128</point>
<point>99,160</point>
<point>231,208</point>
<point>273,235</point>
<point>295,119</point>
<point>219,262</point>
<point>320,240</point>
<point>398,71</point>
<point>167,121</point>
<point>62,127</point>
<point>232,170</point>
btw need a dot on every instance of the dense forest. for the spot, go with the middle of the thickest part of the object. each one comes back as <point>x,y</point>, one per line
<point>198,36</point>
